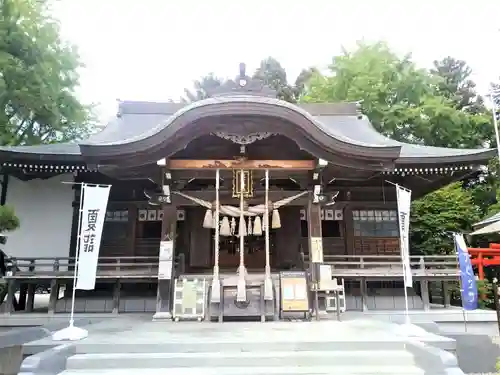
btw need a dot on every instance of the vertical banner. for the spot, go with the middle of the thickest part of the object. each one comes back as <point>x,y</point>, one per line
<point>95,201</point>
<point>467,278</point>
<point>404,204</point>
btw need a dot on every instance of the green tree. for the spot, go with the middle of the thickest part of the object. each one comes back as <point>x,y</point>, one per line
<point>8,222</point>
<point>272,73</point>
<point>435,217</point>
<point>455,84</point>
<point>38,77</point>
<point>8,219</point>
<point>202,88</point>
<point>438,108</point>
<point>401,100</point>
<point>302,82</point>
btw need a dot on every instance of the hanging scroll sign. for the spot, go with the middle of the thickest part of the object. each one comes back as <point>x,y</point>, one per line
<point>316,249</point>
<point>165,261</point>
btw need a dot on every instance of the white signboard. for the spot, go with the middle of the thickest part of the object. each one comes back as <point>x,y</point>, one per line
<point>166,259</point>
<point>93,213</point>
<point>316,249</point>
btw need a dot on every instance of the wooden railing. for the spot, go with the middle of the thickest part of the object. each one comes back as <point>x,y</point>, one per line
<point>107,267</point>
<point>346,266</point>
<point>390,266</point>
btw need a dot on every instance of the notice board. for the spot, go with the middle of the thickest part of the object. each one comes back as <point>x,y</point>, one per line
<point>294,293</point>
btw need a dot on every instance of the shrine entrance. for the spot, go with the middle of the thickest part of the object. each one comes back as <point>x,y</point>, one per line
<point>254,248</point>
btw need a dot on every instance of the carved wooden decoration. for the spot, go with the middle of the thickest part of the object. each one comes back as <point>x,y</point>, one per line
<point>242,164</point>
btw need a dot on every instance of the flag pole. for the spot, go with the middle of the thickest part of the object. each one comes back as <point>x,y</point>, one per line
<point>72,333</point>
<point>495,121</point>
<point>77,256</point>
<point>404,262</point>
<point>460,282</point>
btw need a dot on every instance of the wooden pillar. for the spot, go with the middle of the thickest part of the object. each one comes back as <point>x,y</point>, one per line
<point>363,287</point>
<point>30,303</point>
<point>8,305</point>
<point>54,296</point>
<point>116,296</point>
<point>131,230</point>
<point>349,231</point>
<point>315,247</point>
<point>314,232</point>
<point>55,286</point>
<point>446,293</point>
<point>23,294</point>
<point>424,288</point>
<point>165,287</point>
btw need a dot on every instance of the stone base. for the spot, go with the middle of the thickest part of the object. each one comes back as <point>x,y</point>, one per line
<point>162,316</point>
<point>10,359</point>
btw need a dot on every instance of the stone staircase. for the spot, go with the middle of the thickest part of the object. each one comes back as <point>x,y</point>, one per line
<point>348,348</point>
<point>383,362</point>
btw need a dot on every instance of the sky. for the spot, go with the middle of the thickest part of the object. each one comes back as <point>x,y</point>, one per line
<point>153,49</point>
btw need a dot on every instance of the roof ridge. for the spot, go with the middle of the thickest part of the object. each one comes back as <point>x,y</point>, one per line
<point>146,107</point>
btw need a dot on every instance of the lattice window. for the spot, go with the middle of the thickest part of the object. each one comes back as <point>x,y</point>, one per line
<point>375,223</point>
<point>114,216</point>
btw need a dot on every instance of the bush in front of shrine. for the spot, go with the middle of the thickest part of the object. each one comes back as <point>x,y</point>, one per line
<point>8,222</point>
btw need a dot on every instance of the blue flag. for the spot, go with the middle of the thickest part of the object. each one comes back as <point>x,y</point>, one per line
<point>467,278</point>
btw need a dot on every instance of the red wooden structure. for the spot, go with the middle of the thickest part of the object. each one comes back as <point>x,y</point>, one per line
<point>484,257</point>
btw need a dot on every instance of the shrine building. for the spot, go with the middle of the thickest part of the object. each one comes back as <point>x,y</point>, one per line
<point>326,170</point>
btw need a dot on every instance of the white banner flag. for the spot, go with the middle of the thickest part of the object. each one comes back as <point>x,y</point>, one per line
<point>95,201</point>
<point>404,204</point>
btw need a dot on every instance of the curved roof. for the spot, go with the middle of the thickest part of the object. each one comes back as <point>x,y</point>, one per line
<point>334,127</point>
<point>297,118</point>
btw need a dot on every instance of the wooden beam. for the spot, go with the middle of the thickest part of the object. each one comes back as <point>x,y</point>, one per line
<point>226,197</point>
<point>242,164</point>
<point>209,174</point>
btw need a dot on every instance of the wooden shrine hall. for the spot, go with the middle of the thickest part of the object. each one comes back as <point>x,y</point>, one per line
<point>243,192</point>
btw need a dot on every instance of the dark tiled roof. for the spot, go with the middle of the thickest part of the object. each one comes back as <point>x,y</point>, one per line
<point>363,130</point>
<point>69,152</point>
<point>138,120</point>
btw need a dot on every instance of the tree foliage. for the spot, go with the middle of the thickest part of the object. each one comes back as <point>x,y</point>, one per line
<point>402,101</point>
<point>38,77</point>
<point>8,221</point>
<point>436,107</point>
<point>202,88</point>
<point>270,72</point>
<point>435,217</point>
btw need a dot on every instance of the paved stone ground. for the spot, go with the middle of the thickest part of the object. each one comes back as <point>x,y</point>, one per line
<point>142,331</point>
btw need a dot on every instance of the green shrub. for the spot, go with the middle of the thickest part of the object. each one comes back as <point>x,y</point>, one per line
<point>8,219</point>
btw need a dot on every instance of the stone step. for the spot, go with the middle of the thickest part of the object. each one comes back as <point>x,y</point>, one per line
<point>285,370</point>
<point>173,346</point>
<point>311,359</point>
